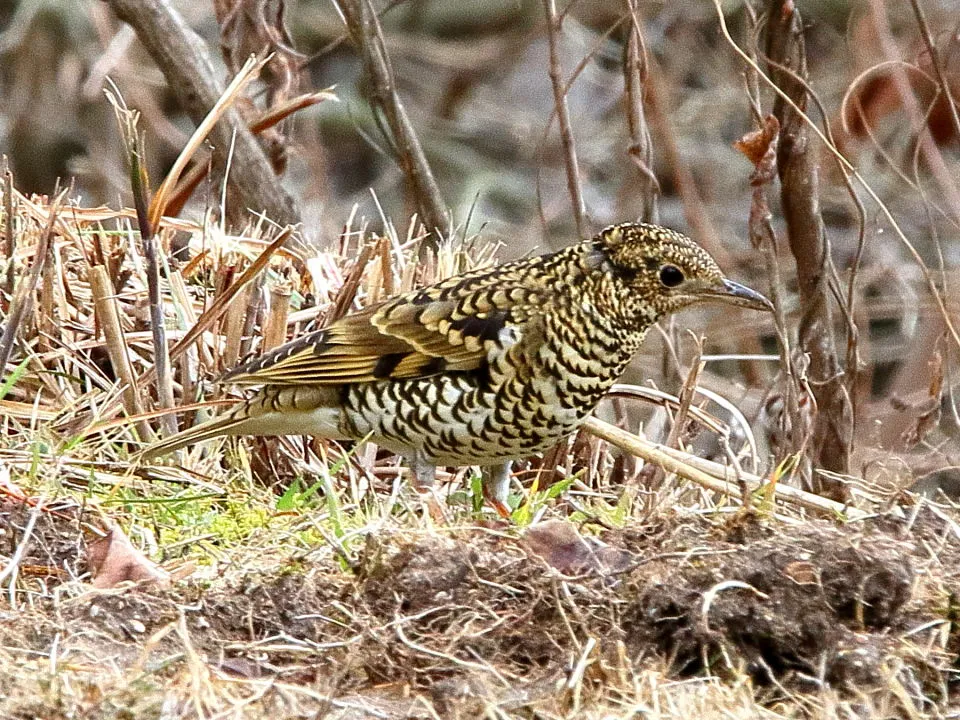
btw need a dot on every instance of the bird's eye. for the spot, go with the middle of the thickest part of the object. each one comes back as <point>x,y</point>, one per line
<point>671,276</point>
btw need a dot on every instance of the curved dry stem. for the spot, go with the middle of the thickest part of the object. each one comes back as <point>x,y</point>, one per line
<point>868,74</point>
<point>713,476</point>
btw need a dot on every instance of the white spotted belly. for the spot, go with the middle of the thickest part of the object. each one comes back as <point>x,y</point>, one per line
<point>459,420</point>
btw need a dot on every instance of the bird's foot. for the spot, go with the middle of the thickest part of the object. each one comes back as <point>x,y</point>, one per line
<point>424,472</point>
<point>424,478</point>
<point>496,487</point>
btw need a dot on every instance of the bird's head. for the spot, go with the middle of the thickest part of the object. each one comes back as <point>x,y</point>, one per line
<point>662,271</point>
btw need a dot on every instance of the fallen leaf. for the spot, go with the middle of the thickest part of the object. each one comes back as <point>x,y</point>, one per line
<point>113,559</point>
<point>560,545</point>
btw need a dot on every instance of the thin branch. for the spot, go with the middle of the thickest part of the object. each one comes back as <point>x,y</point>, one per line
<point>10,246</point>
<point>937,65</point>
<point>701,473</point>
<point>364,26</point>
<point>563,120</point>
<point>797,166</point>
<point>105,307</point>
<point>641,147</point>
<point>140,186</point>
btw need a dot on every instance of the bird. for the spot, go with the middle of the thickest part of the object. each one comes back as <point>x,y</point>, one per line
<point>482,368</point>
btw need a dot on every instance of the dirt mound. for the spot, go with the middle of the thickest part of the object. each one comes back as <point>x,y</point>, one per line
<point>451,623</point>
<point>800,606</point>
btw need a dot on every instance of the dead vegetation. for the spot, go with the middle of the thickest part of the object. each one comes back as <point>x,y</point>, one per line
<point>295,578</point>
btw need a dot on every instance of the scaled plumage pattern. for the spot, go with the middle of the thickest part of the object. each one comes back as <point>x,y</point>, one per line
<point>482,368</point>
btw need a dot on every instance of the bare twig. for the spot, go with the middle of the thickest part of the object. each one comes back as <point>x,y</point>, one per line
<point>687,391</point>
<point>554,26</point>
<point>141,199</point>
<point>671,461</point>
<point>937,65</point>
<point>797,168</point>
<point>364,26</point>
<point>45,320</point>
<point>847,303</point>
<point>641,146</point>
<point>760,147</point>
<point>109,320</point>
<point>233,323</point>
<point>10,245</point>
<point>253,315</point>
<point>275,328</point>
<point>351,284</point>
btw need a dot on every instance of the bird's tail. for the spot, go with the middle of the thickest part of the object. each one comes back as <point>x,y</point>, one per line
<point>273,410</point>
<point>230,423</point>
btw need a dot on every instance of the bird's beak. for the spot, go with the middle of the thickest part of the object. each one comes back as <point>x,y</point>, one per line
<point>736,294</point>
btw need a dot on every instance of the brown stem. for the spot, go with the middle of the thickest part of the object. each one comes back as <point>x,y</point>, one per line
<point>937,65</point>
<point>799,194</point>
<point>108,319</point>
<point>233,323</point>
<point>563,120</point>
<point>924,138</point>
<point>46,321</point>
<point>710,475</point>
<point>11,244</point>
<point>141,200</point>
<point>682,414</point>
<point>364,26</point>
<point>347,294</point>
<point>275,328</point>
<point>641,146</point>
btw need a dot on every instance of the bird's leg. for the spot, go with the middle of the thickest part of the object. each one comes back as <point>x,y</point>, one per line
<point>424,472</point>
<point>495,480</point>
<point>424,477</point>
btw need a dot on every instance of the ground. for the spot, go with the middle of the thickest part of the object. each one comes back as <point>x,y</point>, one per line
<point>715,614</point>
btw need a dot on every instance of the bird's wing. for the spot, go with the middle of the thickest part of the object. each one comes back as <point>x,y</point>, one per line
<point>452,326</point>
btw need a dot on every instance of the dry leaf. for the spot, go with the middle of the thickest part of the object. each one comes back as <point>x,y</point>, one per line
<point>563,548</point>
<point>113,559</point>
<point>760,146</point>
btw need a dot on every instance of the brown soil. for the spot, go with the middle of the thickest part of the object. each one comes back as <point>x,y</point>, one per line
<point>429,624</point>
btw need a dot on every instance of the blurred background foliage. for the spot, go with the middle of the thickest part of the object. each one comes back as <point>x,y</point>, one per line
<point>473,76</point>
